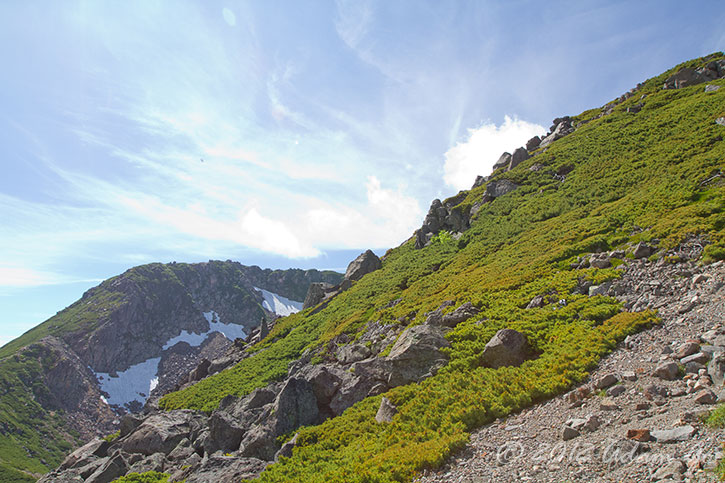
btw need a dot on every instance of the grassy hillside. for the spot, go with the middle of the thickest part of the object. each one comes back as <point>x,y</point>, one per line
<point>32,439</point>
<point>629,177</point>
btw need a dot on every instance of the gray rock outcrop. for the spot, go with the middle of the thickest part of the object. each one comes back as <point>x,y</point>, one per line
<point>365,263</point>
<point>507,348</point>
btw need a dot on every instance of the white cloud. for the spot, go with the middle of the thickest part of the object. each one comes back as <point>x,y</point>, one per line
<point>273,236</point>
<point>25,277</point>
<point>477,155</point>
<point>229,17</point>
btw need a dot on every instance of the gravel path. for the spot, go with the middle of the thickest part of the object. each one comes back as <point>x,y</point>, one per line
<point>583,435</point>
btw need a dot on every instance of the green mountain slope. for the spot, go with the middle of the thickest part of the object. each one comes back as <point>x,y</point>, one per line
<point>646,168</point>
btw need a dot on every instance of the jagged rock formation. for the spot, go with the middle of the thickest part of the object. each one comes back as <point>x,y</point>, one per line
<point>185,443</point>
<point>139,335</point>
<point>365,263</point>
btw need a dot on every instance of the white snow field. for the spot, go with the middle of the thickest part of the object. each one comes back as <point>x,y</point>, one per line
<point>279,305</point>
<point>137,382</point>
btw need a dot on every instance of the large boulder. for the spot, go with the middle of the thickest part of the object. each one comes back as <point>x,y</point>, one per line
<point>325,380</point>
<point>521,154</point>
<point>350,353</point>
<point>161,432</point>
<point>562,127</point>
<point>416,354</point>
<point>113,468</point>
<point>461,314</point>
<point>295,406</point>
<point>507,348</point>
<point>686,76</point>
<point>92,450</point>
<point>497,188</point>
<point>503,161</point>
<point>365,263</point>
<point>533,143</point>
<point>224,433</point>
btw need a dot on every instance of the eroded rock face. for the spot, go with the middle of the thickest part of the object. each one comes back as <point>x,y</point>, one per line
<point>562,127</point>
<point>686,77</point>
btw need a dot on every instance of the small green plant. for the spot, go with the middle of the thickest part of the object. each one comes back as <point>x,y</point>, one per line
<point>148,477</point>
<point>716,419</point>
<point>713,253</point>
<point>113,436</point>
<point>445,239</point>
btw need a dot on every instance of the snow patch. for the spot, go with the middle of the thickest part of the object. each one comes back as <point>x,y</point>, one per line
<point>133,384</point>
<point>279,305</point>
<point>230,331</point>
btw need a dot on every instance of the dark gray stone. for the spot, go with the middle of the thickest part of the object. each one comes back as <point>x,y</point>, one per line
<point>365,263</point>
<point>520,155</point>
<point>503,161</point>
<point>507,348</point>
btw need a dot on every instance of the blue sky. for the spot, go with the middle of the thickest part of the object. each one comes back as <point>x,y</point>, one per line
<point>281,133</point>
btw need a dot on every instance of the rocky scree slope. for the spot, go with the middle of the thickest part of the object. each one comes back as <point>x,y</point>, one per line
<point>511,306</point>
<point>133,336</point>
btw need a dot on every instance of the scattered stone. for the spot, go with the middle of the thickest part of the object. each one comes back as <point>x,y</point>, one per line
<point>569,433</point>
<point>615,391</point>
<point>600,261</point>
<point>386,411</point>
<point>687,349</point>
<point>716,369</point>
<point>536,302</point>
<point>607,404</point>
<point>605,381</point>
<point>641,435</point>
<point>705,396</point>
<point>652,391</point>
<point>642,250</point>
<point>699,357</point>
<point>642,406</point>
<point>672,470</point>
<point>629,376</point>
<point>720,120</point>
<point>683,433</point>
<point>286,449</point>
<point>711,88</point>
<point>667,371</point>
<point>693,368</point>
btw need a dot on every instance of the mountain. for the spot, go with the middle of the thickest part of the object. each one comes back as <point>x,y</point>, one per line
<point>123,344</point>
<point>508,296</point>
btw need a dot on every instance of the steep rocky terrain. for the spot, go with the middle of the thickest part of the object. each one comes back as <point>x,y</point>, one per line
<point>573,297</point>
<point>134,337</point>
<point>572,301</point>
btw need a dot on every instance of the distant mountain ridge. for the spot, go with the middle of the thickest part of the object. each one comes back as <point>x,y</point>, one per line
<point>129,337</point>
